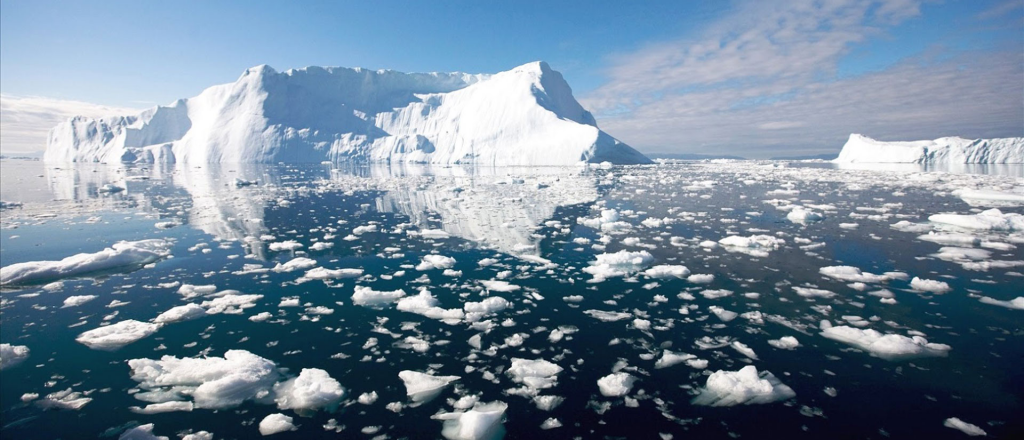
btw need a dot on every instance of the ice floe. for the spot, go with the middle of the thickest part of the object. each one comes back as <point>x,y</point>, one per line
<point>123,255</point>
<point>743,387</point>
<point>11,355</point>
<point>115,336</point>
<point>886,346</point>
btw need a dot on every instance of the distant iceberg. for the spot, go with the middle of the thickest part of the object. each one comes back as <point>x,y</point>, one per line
<point>524,116</point>
<point>947,150</point>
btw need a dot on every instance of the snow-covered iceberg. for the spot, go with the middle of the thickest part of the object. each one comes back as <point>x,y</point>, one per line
<point>947,150</point>
<point>524,116</point>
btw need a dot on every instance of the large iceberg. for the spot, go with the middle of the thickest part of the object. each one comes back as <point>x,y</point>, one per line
<point>947,150</point>
<point>524,116</point>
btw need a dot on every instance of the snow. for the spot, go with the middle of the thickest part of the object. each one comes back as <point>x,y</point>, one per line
<point>743,387</point>
<point>121,255</point>
<point>311,390</point>
<point>212,382</point>
<point>11,355</point>
<point>276,423</point>
<point>616,384</point>
<point>888,346</point>
<point>524,116</point>
<point>423,387</point>
<point>483,422</point>
<point>618,264</point>
<point>967,428</point>
<point>949,150</point>
<point>115,336</point>
<point>990,220</point>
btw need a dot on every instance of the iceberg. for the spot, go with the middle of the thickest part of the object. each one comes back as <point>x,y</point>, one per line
<point>947,150</point>
<point>524,116</point>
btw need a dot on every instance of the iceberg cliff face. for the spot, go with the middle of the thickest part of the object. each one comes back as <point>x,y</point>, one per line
<point>947,150</point>
<point>525,116</point>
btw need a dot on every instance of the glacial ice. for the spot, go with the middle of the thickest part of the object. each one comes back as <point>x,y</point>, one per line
<point>885,346</point>
<point>953,150</point>
<point>121,255</point>
<point>115,336</point>
<point>743,387</point>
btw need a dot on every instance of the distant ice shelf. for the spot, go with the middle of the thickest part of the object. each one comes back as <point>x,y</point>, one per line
<point>524,116</point>
<point>947,150</point>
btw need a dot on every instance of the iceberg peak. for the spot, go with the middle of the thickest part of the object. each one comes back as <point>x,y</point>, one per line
<point>523,116</point>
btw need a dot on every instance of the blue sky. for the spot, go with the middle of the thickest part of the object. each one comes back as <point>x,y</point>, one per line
<point>754,78</point>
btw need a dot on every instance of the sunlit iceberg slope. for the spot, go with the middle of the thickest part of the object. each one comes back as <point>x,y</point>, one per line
<point>947,150</point>
<point>525,116</point>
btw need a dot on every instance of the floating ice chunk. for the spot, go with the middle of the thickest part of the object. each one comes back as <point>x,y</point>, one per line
<point>888,346</point>
<point>230,304</point>
<point>489,305</point>
<point>743,387</point>
<point>191,291</point>
<point>276,423</point>
<point>551,423</point>
<point>967,428</point>
<point>1016,303</point>
<point>616,384</point>
<point>368,398</point>
<point>985,197</point>
<point>809,292</point>
<point>164,407</point>
<point>744,349</point>
<point>77,300</point>
<point>422,387</point>
<point>534,375</point>
<point>427,305</point>
<point>181,313</point>
<point>723,314</point>
<point>320,273</point>
<point>547,403</point>
<point>961,254</point>
<point>602,315</point>
<point>700,278</point>
<point>11,355</point>
<point>360,230</point>
<point>905,226</point>
<point>850,273</point>
<point>200,435</point>
<point>321,245</point>
<point>115,336</point>
<point>66,399</point>
<point>500,286</point>
<point>784,343</point>
<point>300,263</point>
<point>289,245</point>
<point>951,238</point>
<point>311,390</point>
<point>754,245</point>
<point>619,264</point>
<point>990,220</point>
<point>715,293</point>
<point>668,271</point>
<point>925,285</point>
<point>365,296</point>
<point>430,262</point>
<point>804,216</point>
<point>123,255</point>
<point>141,432</point>
<point>483,422</point>
<point>669,358</point>
<point>213,382</point>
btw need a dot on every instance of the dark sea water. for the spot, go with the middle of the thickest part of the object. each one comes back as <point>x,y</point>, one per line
<point>537,225</point>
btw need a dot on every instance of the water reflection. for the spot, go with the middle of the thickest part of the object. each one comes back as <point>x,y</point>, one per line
<point>497,207</point>
<point>1010,170</point>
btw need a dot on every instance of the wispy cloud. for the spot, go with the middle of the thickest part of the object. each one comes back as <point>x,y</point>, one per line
<point>25,121</point>
<point>766,76</point>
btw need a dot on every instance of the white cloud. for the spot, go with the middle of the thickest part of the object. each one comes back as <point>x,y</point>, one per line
<point>766,76</point>
<point>25,121</point>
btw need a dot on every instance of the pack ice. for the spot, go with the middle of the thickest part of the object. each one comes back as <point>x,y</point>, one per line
<point>524,116</point>
<point>951,150</point>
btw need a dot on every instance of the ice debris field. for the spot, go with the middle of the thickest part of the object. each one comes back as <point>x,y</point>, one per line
<point>714,300</point>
